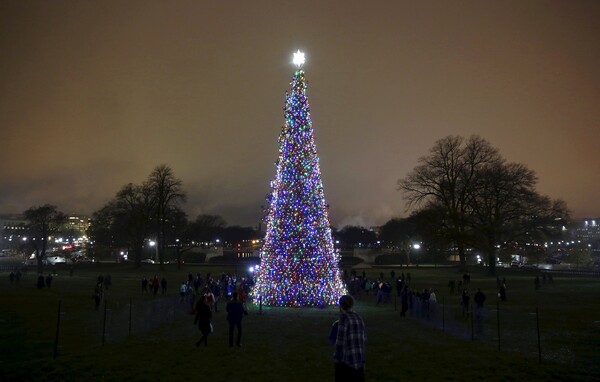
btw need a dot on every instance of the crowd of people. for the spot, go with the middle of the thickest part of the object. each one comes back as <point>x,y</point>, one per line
<point>421,302</point>
<point>203,293</point>
<point>153,285</point>
<point>15,276</point>
<point>417,300</point>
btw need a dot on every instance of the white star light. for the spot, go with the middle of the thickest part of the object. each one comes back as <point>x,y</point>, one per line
<point>299,58</point>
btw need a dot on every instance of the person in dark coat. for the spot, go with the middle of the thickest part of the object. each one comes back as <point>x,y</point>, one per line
<point>163,285</point>
<point>465,302</point>
<point>40,282</point>
<point>349,344</point>
<point>235,311</point>
<point>203,320</point>
<point>404,300</point>
<point>144,285</point>
<point>503,292</point>
<point>479,300</point>
<point>98,294</point>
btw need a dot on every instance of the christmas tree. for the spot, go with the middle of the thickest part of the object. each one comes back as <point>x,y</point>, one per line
<point>299,264</point>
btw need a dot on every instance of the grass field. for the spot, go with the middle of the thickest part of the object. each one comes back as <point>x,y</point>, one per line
<point>290,344</point>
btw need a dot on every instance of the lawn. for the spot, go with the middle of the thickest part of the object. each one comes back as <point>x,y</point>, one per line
<point>281,344</point>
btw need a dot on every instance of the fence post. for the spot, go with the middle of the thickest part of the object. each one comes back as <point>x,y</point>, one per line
<point>104,324</point>
<point>130,308</point>
<point>498,322</point>
<point>443,313</point>
<point>57,330</point>
<point>537,319</point>
<point>472,329</point>
<point>259,304</point>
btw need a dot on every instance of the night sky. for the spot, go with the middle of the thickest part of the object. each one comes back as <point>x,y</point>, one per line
<point>95,94</point>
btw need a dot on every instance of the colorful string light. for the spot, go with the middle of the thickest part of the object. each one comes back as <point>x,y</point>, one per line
<point>299,264</point>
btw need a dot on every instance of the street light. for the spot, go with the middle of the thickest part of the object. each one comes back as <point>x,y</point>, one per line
<point>152,243</point>
<point>416,247</point>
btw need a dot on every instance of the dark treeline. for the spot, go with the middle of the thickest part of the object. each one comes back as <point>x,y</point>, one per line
<point>151,211</point>
<point>463,196</point>
<point>466,197</point>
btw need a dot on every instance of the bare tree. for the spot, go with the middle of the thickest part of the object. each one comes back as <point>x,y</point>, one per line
<point>42,223</point>
<point>445,180</point>
<point>132,208</point>
<point>177,231</point>
<point>167,192</point>
<point>104,237</point>
<point>504,198</point>
<point>485,202</point>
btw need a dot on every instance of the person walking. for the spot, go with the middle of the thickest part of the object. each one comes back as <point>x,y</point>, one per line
<point>107,281</point>
<point>464,302</point>
<point>203,320</point>
<point>235,312</point>
<point>163,285</point>
<point>404,301</point>
<point>98,293</point>
<point>40,281</point>
<point>144,285</point>
<point>502,291</point>
<point>349,353</point>
<point>183,290</point>
<point>479,299</point>
<point>154,285</point>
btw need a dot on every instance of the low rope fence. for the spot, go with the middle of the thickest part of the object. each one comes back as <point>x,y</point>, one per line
<point>114,321</point>
<point>496,324</point>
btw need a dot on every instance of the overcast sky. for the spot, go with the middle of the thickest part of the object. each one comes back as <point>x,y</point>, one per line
<point>95,94</point>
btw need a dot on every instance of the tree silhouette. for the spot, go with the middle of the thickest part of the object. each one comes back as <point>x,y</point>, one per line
<point>42,222</point>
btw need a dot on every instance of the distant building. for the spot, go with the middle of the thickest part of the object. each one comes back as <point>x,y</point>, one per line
<point>588,232</point>
<point>13,228</point>
<point>79,223</point>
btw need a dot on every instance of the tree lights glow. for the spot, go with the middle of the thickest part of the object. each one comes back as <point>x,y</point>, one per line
<point>299,265</point>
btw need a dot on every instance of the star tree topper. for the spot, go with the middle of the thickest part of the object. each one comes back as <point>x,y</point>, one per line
<point>299,58</point>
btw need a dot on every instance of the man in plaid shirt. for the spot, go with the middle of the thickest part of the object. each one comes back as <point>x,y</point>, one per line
<point>349,344</point>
